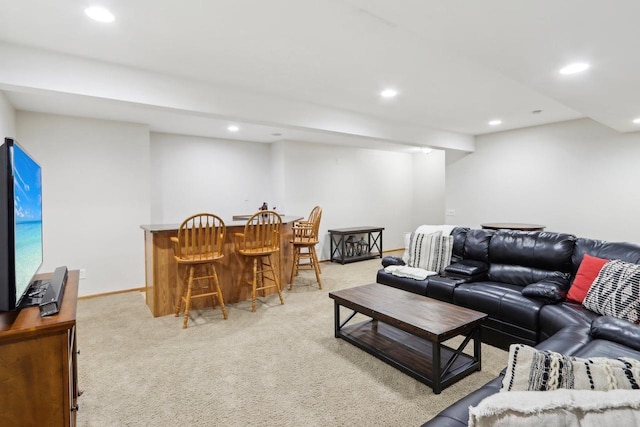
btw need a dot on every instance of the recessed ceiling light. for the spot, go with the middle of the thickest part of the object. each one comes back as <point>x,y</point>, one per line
<point>536,112</point>
<point>276,134</point>
<point>233,128</point>
<point>389,93</point>
<point>426,150</point>
<point>99,14</point>
<point>495,122</point>
<point>577,67</point>
<point>636,120</point>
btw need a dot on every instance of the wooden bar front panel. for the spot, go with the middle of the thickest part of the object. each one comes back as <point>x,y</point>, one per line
<point>161,278</point>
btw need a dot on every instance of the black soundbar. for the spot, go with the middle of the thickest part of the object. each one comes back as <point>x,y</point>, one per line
<point>52,298</point>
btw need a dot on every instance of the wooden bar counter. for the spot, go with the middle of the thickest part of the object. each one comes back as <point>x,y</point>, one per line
<point>160,266</point>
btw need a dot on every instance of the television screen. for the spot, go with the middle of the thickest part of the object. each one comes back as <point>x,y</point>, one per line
<point>20,224</point>
<point>27,218</point>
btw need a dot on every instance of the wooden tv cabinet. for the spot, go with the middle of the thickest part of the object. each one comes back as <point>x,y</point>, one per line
<point>38,371</point>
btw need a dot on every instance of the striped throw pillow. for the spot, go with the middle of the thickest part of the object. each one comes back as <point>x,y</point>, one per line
<point>431,252</point>
<point>446,251</point>
<point>530,369</point>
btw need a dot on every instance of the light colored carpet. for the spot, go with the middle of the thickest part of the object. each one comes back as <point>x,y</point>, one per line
<point>280,366</point>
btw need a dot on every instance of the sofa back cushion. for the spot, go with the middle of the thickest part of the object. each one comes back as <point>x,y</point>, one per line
<point>525,257</point>
<point>523,276</point>
<point>476,245</point>
<point>459,235</point>
<point>624,251</point>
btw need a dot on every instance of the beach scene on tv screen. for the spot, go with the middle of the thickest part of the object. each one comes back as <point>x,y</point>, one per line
<point>28,218</point>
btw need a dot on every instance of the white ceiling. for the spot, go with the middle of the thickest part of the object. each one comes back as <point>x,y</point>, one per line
<point>456,63</point>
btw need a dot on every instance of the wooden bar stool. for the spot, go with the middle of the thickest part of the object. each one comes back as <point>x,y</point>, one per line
<point>260,244</point>
<point>305,239</point>
<point>196,249</point>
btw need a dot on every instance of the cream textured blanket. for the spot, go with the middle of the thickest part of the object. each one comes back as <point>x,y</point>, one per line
<point>567,408</point>
<point>411,272</point>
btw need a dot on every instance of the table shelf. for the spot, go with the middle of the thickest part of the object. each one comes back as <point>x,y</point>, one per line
<point>343,251</point>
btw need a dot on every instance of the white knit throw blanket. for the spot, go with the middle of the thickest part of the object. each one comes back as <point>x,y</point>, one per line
<point>411,272</point>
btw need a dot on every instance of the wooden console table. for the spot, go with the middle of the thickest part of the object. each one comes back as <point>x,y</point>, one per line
<point>38,370</point>
<point>344,251</point>
<point>512,226</point>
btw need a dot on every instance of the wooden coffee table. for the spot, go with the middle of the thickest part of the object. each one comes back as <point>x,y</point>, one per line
<point>408,332</point>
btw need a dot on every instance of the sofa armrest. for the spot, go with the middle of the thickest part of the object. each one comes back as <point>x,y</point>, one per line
<point>468,267</point>
<point>551,291</point>
<point>616,330</point>
<point>443,287</point>
<point>392,260</point>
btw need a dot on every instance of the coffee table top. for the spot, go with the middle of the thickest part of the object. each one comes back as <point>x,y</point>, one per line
<point>429,318</point>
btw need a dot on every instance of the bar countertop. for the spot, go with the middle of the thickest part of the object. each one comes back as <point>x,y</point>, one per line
<point>232,223</point>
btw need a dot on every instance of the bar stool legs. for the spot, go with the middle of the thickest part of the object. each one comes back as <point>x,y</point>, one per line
<point>261,266</point>
<point>313,262</point>
<point>188,280</point>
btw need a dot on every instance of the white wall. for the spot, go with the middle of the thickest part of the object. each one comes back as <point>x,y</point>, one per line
<point>192,174</point>
<point>7,118</point>
<point>278,177</point>
<point>96,185</point>
<point>578,177</point>
<point>428,188</point>
<point>354,186</point>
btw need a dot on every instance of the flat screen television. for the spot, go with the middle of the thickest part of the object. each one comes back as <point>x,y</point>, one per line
<point>20,223</point>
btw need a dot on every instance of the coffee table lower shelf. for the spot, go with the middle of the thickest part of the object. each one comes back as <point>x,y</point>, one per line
<point>411,354</point>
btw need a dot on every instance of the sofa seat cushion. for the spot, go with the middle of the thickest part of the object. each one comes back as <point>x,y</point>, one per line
<point>404,283</point>
<point>502,334</point>
<point>606,348</point>
<point>567,340</point>
<point>617,330</point>
<point>557,316</point>
<point>502,301</point>
<point>442,287</point>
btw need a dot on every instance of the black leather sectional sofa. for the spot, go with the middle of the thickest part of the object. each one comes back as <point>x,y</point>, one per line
<point>520,279</point>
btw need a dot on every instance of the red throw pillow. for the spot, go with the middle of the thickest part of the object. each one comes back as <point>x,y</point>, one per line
<point>586,274</point>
